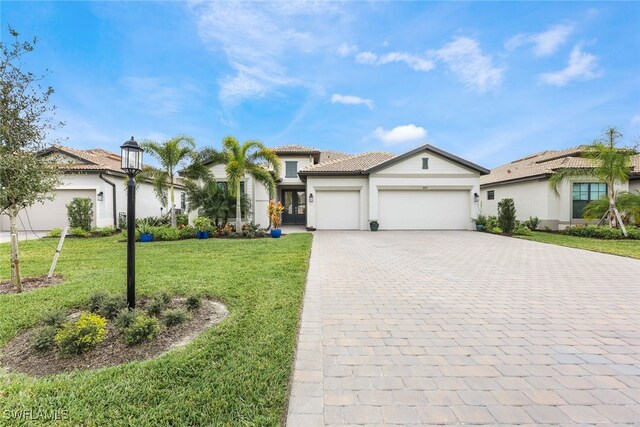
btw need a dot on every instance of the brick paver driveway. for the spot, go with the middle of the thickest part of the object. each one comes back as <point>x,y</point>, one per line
<point>465,328</point>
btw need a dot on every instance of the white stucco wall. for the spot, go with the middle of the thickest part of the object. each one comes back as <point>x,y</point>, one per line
<point>339,183</point>
<point>303,162</point>
<point>634,185</point>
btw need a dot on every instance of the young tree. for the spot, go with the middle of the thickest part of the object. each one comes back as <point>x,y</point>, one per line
<point>611,164</point>
<point>250,158</point>
<point>25,120</point>
<point>171,154</point>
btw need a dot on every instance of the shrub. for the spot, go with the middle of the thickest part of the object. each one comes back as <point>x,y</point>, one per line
<point>492,222</point>
<point>80,232</point>
<point>56,232</point>
<point>601,232</point>
<point>81,335</point>
<point>125,318</point>
<point>54,317</point>
<point>480,220</point>
<point>143,328</point>
<point>532,223</point>
<point>188,232</point>
<point>506,215</point>
<point>175,316</point>
<point>95,301</point>
<point>496,230</point>
<point>80,213</point>
<point>522,231</point>
<point>104,231</point>
<point>182,220</point>
<point>193,302</point>
<point>165,233</point>
<point>124,235</point>
<point>202,223</point>
<point>43,338</point>
<point>155,306</point>
<point>106,305</point>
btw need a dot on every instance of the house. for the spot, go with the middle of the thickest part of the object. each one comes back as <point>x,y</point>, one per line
<point>94,174</point>
<point>425,188</point>
<point>526,181</point>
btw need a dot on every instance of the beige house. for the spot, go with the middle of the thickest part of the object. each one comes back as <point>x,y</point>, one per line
<point>526,181</point>
<point>425,188</point>
<point>93,174</point>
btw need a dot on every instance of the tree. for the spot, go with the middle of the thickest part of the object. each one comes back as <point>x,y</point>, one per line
<point>26,117</point>
<point>611,164</point>
<point>507,215</point>
<point>213,201</point>
<point>171,154</point>
<point>250,158</point>
<point>628,204</point>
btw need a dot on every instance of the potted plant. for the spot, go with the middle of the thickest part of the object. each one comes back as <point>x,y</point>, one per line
<point>275,213</point>
<point>202,225</point>
<point>144,228</point>
<point>480,221</point>
<point>373,225</point>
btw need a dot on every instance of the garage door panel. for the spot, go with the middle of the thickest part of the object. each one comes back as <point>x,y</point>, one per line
<point>53,213</point>
<point>424,210</point>
<point>338,210</point>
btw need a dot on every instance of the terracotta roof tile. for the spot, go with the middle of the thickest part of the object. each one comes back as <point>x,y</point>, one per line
<point>295,149</point>
<point>355,163</point>
<point>327,155</point>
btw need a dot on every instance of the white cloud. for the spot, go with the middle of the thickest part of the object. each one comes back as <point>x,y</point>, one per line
<point>582,66</point>
<point>258,38</point>
<point>414,62</point>
<point>401,134</point>
<point>351,100</point>
<point>158,95</point>
<point>544,43</point>
<point>346,49</point>
<point>465,58</point>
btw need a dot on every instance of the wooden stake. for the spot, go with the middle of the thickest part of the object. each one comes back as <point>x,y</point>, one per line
<point>55,257</point>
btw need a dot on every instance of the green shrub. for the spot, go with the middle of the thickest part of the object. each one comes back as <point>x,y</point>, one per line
<point>106,305</point>
<point>142,329</point>
<point>202,223</point>
<point>506,215</point>
<point>187,232</point>
<point>175,316</point>
<point>55,317</point>
<point>81,335</point>
<point>123,235</point>
<point>480,220</point>
<point>496,230</point>
<point>193,302</point>
<point>80,213</point>
<point>165,233</point>
<point>95,301</point>
<point>80,232</point>
<point>125,318</point>
<point>182,220</point>
<point>56,232</point>
<point>634,233</point>
<point>43,338</point>
<point>601,232</point>
<point>156,306</point>
<point>491,222</point>
<point>532,223</point>
<point>522,231</point>
<point>104,231</point>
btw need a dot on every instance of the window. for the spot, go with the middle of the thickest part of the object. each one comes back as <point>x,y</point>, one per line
<point>223,186</point>
<point>425,163</point>
<point>585,192</point>
<point>491,195</point>
<point>183,201</point>
<point>291,169</point>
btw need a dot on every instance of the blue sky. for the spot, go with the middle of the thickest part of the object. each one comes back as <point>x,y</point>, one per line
<point>490,82</point>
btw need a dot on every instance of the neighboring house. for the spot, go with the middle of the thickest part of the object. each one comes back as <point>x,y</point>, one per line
<point>526,181</point>
<point>94,174</point>
<point>425,188</point>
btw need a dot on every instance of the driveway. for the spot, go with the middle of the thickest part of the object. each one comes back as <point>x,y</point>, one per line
<point>5,236</point>
<point>465,328</point>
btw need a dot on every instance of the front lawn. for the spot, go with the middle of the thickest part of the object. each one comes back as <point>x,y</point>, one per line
<point>628,248</point>
<point>236,373</point>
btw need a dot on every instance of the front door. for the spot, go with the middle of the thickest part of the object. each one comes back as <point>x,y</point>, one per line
<point>295,207</point>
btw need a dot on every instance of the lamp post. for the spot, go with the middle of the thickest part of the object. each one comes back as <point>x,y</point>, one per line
<point>131,157</point>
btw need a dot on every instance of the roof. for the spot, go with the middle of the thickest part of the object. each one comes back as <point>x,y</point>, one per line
<point>95,159</point>
<point>543,164</point>
<point>350,164</point>
<point>327,155</point>
<point>295,149</point>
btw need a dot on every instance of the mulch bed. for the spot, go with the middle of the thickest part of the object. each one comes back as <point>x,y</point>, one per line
<point>17,356</point>
<point>30,284</point>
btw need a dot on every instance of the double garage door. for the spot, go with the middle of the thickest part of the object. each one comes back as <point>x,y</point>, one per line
<point>397,210</point>
<point>53,214</point>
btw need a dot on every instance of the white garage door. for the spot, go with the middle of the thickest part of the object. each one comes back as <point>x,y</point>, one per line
<point>338,210</point>
<point>51,214</point>
<point>424,210</point>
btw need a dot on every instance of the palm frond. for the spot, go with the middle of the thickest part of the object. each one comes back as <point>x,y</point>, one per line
<point>264,177</point>
<point>558,176</point>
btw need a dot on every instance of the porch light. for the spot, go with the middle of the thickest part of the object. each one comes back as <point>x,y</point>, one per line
<point>100,196</point>
<point>310,197</point>
<point>131,157</point>
<point>476,197</point>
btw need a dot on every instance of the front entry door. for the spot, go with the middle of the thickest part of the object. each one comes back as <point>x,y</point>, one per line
<point>295,207</point>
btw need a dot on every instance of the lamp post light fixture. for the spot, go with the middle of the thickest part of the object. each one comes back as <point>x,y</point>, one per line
<point>131,157</point>
<point>310,197</point>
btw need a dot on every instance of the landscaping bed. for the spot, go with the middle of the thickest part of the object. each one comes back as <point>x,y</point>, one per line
<point>30,283</point>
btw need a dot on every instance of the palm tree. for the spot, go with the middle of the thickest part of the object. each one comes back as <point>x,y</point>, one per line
<point>171,154</point>
<point>628,204</point>
<point>250,158</point>
<point>213,201</point>
<point>611,164</point>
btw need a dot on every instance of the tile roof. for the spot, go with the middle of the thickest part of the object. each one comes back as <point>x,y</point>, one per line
<point>543,164</point>
<point>351,164</point>
<point>327,155</point>
<point>95,159</point>
<point>295,149</point>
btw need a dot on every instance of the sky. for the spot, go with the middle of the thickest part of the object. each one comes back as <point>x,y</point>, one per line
<point>490,82</point>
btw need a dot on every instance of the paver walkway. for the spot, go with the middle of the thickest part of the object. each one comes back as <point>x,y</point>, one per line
<point>464,327</point>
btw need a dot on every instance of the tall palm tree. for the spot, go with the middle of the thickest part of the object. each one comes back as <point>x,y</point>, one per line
<point>249,158</point>
<point>171,154</point>
<point>611,164</point>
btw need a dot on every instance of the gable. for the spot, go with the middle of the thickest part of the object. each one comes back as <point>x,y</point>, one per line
<point>413,165</point>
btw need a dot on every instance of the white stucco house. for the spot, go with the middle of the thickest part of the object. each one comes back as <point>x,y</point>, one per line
<point>94,174</point>
<point>526,181</point>
<point>425,188</point>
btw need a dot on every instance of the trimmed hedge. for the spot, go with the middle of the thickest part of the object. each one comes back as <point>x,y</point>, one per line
<point>601,232</point>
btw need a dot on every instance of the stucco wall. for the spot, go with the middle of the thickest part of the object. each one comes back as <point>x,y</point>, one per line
<point>634,185</point>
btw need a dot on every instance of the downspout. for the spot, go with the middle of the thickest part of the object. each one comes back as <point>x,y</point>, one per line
<point>113,187</point>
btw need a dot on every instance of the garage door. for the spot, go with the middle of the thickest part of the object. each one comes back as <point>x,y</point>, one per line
<point>424,210</point>
<point>51,214</point>
<point>338,210</point>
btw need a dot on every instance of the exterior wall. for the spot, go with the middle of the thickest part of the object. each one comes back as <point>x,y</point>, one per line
<point>442,174</point>
<point>327,183</point>
<point>634,185</point>
<point>303,162</point>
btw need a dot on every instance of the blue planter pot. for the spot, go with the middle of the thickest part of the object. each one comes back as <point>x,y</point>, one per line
<point>146,237</point>
<point>275,233</point>
<point>202,234</point>
<point>479,227</point>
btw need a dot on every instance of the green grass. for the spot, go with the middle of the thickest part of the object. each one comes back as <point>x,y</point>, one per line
<point>236,373</point>
<point>628,248</point>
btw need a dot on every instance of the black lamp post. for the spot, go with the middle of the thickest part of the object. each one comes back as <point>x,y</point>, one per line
<point>131,156</point>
